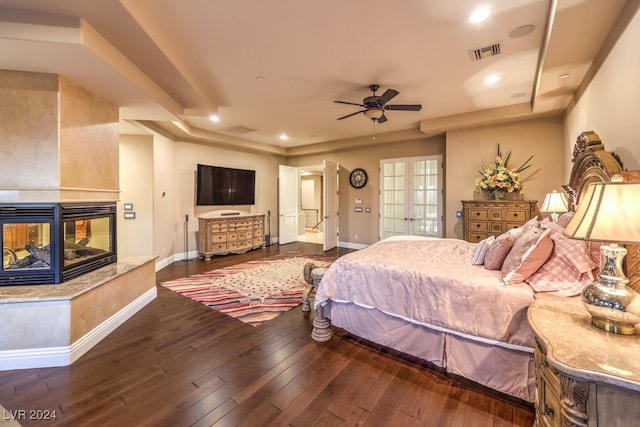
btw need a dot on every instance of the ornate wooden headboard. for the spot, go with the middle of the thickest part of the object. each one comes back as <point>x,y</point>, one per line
<point>592,163</point>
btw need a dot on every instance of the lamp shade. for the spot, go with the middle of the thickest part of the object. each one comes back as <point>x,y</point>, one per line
<point>374,113</point>
<point>554,202</point>
<point>608,212</point>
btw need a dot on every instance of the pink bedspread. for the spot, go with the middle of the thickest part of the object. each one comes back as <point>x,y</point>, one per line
<point>432,282</point>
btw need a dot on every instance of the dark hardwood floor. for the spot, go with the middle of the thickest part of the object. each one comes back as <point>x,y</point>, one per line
<point>179,363</point>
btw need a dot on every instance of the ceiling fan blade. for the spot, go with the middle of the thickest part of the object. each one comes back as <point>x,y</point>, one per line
<point>349,103</point>
<point>352,114</point>
<point>409,107</point>
<point>387,96</point>
<point>382,119</point>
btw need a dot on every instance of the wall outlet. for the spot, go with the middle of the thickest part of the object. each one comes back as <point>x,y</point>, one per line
<point>355,237</point>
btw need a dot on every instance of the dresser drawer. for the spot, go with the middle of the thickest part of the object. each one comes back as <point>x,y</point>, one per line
<point>479,214</point>
<point>510,225</point>
<point>516,215</point>
<point>496,214</point>
<point>496,227</point>
<point>218,237</point>
<point>476,226</point>
<point>476,237</point>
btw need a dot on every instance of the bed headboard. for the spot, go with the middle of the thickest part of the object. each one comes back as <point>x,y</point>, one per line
<point>592,163</point>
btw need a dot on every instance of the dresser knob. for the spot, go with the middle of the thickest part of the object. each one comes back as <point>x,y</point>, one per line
<point>515,214</point>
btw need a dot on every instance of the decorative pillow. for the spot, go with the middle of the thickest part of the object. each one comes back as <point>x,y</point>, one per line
<point>498,251</point>
<point>565,219</point>
<point>530,251</point>
<point>569,268</point>
<point>481,250</point>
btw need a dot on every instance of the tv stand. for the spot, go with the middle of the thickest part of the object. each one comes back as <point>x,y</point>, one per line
<point>230,234</point>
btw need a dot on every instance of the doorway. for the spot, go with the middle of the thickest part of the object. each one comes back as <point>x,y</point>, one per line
<point>311,204</point>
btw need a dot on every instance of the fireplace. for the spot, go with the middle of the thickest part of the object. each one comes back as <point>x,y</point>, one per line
<point>49,243</point>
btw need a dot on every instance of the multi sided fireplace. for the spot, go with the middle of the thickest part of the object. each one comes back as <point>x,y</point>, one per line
<point>49,243</point>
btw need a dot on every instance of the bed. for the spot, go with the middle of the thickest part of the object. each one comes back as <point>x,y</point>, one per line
<point>425,297</point>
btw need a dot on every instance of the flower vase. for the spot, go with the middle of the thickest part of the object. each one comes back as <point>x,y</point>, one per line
<point>498,194</point>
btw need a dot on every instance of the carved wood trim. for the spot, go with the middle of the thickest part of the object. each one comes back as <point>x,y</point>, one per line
<point>591,163</point>
<point>574,401</point>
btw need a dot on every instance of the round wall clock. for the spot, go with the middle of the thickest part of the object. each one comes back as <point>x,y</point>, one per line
<point>358,178</point>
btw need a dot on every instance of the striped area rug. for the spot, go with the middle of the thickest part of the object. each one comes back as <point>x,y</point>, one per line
<point>253,292</point>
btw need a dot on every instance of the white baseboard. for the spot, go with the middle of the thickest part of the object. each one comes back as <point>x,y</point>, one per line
<point>66,355</point>
<point>350,245</point>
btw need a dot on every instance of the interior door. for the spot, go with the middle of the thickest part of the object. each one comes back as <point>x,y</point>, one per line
<point>330,204</point>
<point>288,186</point>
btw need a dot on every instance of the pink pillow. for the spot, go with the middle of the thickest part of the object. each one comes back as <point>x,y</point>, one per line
<point>498,251</point>
<point>531,233</point>
<point>569,268</point>
<point>565,218</point>
<point>530,251</point>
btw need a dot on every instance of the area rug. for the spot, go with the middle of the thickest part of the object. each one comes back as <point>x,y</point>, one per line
<point>253,292</point>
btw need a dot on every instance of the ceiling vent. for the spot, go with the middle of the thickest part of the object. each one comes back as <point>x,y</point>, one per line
<point>484,52</point>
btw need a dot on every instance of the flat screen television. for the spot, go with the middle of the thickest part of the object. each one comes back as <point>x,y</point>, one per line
<point>221,186</point>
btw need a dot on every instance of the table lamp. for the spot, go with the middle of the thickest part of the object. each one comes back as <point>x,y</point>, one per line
<point>608,212</point>
<point>555,203</point>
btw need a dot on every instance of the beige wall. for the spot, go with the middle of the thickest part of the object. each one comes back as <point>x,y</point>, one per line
<point>609,105</point>
<point>135,236</point>
<point>60,141</point>
<point>468,149</point>
<point>365,225</point>
<point>173,189</point>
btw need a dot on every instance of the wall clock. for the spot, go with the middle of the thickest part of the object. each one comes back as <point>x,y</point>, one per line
<point>358,178</point>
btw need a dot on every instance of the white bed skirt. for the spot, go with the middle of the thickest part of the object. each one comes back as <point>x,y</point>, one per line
<point>506,370</point>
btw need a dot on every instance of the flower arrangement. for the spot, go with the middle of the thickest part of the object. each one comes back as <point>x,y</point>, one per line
<point>500,177</point>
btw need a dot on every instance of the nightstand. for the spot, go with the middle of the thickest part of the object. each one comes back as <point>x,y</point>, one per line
<point>584,376</point>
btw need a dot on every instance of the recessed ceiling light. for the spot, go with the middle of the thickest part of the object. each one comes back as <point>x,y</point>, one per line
<point>214,118</point>
<point>260,78</point>
<point>479,15</point>
<point>283,136</point>
<point>492,79</point>
<point>563,76</point>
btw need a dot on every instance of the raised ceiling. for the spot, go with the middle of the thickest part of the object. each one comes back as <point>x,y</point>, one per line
<point>276,67</point>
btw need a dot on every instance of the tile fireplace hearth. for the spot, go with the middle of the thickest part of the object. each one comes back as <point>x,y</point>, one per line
<point>49,243</point>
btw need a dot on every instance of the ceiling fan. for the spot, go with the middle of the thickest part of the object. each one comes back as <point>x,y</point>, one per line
<point>375,105</point>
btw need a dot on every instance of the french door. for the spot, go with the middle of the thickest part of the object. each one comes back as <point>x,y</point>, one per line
<point>411,196</point>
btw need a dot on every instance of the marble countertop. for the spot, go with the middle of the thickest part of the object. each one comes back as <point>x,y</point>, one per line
<point>71,288</point>
<point>578,349</point>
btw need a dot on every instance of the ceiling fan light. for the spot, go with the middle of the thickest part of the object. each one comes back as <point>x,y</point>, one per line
<point>374,113</point>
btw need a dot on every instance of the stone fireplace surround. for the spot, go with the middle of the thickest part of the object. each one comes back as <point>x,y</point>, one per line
<point>60,146</point>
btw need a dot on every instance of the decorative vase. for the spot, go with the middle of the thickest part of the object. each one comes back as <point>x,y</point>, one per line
<point>498,194</point>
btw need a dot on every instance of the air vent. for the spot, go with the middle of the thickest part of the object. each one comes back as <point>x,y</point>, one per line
<point>484,52</point>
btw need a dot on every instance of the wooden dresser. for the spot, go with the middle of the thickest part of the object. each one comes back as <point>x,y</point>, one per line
<point>232,234</point>
<point>483,218</point>
<point>584,376</point>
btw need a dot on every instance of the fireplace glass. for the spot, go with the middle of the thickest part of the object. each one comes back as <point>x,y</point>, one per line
<point>50,243</point>
<point>26,245</point>
<point>85,239</point>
